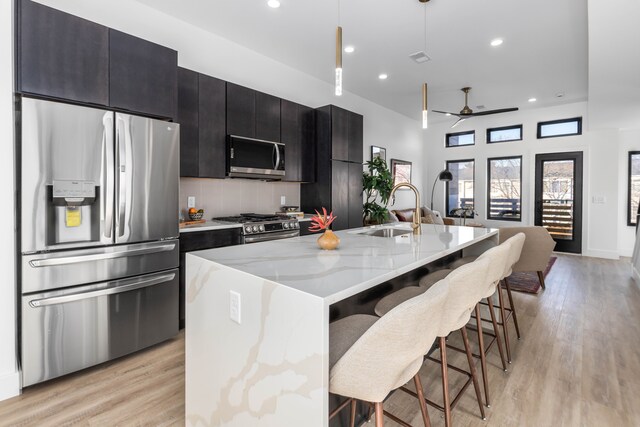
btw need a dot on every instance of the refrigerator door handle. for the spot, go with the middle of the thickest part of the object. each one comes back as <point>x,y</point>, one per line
<point>121,174</point>
<point>113,288</point>
<point>107,177</point>
<point>100,256</point>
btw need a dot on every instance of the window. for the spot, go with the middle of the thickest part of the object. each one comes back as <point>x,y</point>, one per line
<point>460,189</point>
<point>504,189</point>
<point>565,127</point>
<point>461,138</point>
<point>504,134</point>
<point>634,187</point>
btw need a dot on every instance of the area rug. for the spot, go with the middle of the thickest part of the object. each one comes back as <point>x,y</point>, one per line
<point>527,281</point>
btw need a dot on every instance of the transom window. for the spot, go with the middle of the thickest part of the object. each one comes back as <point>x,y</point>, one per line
<point>633,193</point>
<point>459,191</point>
<point>556,128</point>
<point>504,189</point>
<point>461,138</point>
<point>504,134</point>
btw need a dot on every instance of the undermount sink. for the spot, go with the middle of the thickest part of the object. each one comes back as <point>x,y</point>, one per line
<point>387,232</point>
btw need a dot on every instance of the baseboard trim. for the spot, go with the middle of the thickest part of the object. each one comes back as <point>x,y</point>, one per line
<point>9,385</point>
<point>602,254</point>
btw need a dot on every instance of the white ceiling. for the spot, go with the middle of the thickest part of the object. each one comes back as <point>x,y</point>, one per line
<point>544,50</point>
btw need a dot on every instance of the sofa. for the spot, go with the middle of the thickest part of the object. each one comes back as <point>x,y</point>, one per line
<point>428,216</point>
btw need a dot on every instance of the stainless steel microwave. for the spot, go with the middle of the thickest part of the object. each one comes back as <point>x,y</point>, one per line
<point>255,158</point>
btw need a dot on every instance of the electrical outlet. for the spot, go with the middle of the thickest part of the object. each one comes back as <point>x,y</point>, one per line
<point>235,307</point>
<point>191,202</point>
<point>283,200</point>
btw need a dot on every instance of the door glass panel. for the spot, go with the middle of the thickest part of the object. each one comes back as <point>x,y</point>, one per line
<point>557,198</point>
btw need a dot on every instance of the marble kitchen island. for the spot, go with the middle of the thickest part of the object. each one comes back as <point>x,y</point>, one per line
<point>269,367</point>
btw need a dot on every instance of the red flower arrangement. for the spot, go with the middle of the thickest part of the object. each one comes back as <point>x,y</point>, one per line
<point>321,222</point>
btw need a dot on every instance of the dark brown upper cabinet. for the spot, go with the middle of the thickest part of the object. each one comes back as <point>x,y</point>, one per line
<point>188,117</point>
<point>61,56</point>
<point>297,133</point>
<point>252,114</point>
<point>143,76</point>
<point>346,134</point>
<point>267,117</point>
<point>241,111</point>
<point>201,114</point>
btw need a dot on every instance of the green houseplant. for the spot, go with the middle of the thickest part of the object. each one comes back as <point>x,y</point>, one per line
<point>376,185</point>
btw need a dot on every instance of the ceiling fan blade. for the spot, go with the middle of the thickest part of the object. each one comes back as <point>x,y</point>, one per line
<point>460,120</point>
<point>447,113</point>
<point>501,110</point>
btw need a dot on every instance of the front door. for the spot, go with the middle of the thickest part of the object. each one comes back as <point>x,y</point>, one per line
<point>558,198</point>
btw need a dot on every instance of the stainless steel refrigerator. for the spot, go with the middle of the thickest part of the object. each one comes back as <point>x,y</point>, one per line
<point>98,235</point>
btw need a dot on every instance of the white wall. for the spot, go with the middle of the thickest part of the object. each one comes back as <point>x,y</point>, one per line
<point>600,168</point>
<point>9,379</point>
<point>213,55</point>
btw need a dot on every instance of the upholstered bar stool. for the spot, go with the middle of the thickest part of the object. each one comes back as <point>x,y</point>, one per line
<point>463,295</point>
<point>370,356</point>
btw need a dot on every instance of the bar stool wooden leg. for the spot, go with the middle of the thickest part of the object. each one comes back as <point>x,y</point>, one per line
<point>513,307</point>
<point>379,415</point>
<point>505,326</point>
<point>496,330</point>
<point>423,403</point>
<point>352,421</point>
<point>483,360</point>
<point>445,382</point>
<point>474,373</point>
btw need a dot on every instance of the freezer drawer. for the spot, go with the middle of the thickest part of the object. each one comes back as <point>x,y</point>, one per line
<point>65,331</point>
<point>48,271</point>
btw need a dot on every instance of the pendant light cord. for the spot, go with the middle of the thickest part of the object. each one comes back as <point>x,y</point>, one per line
<point>425,28</point>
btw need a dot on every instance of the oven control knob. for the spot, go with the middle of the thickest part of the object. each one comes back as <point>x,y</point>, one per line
<point>294,225</point>
<point>255,228</point>
<point>285,225</point>
<point>261,228</point>
<point>247,229</point>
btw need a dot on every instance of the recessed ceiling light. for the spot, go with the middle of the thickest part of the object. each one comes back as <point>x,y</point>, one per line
<point>273,3</point>
<point>532,99</point>
<point>496,42</point>
<point>447,114</point>
<point>383,76</point>
<point>349,49</point>
<point>559,94</point>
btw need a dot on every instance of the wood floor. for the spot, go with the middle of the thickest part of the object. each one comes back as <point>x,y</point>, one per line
<point>578,364</point>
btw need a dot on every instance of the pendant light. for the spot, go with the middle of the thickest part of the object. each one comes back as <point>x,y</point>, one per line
<point>425,120</point>
<point>425,111</point>
<point>339,61</point>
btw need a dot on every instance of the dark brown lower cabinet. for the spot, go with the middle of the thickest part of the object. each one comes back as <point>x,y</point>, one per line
<point>198,240</point>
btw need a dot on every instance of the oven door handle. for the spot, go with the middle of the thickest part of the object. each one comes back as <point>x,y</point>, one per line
<point>273,236</point>
<point>113,288</point>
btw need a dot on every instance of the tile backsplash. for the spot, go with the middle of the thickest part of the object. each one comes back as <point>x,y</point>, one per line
<point>222,197</point>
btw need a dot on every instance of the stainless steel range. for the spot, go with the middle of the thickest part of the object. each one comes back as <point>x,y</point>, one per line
<point>263,227</point>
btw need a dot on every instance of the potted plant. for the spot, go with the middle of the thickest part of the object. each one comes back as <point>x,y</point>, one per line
<point>327,240</point>
<point>376,185</point>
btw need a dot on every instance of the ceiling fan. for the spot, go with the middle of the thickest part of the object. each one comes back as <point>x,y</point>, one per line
<point>467,112</point>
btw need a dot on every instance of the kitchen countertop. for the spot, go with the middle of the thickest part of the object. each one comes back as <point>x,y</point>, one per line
<point>257,325</point>
<point>210,225</point>
<point>360,262</point>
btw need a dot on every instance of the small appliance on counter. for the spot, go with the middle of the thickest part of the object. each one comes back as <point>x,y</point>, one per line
<point>264,227</point>
<point>292,211</point>
<point>98,236</point>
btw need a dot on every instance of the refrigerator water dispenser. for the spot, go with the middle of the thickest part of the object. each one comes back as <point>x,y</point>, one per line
<point>73,214</point>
